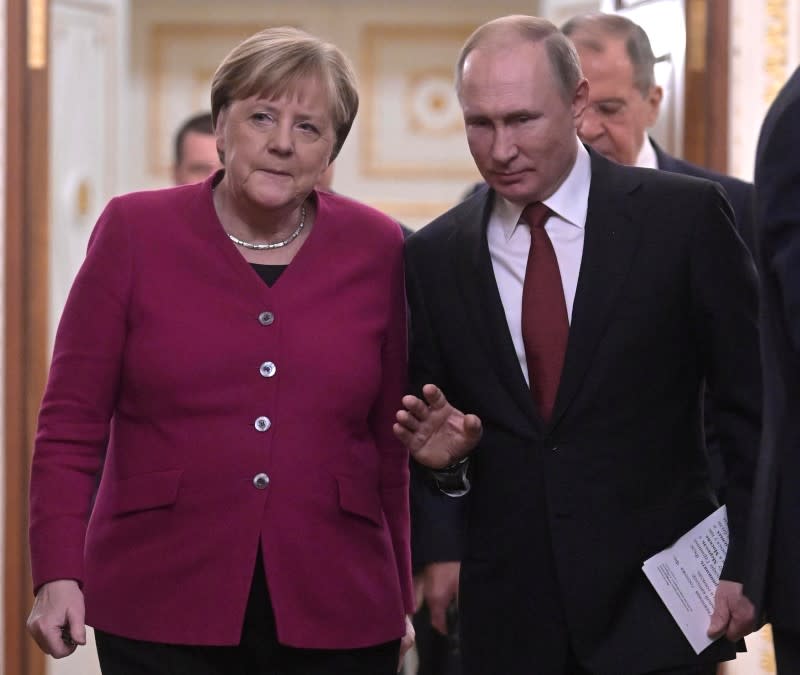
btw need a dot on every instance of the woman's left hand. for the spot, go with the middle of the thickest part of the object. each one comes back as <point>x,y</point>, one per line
<point>407,642</point>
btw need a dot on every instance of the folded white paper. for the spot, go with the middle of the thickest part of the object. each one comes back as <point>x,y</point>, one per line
<point>686,576</point>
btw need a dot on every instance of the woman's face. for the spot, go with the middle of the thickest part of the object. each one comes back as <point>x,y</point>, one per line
<point>276,149</point>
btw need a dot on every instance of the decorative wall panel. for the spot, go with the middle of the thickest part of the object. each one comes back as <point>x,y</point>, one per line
<point>406,152</point>
<point>183,59</point>
<point>411,123</point>
<point>765,49</point>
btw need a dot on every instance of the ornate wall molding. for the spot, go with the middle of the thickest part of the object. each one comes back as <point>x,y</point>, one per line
<point>765,48</point>
<point>183,59</point>
<point>776,39</point>
<point>411,122</point>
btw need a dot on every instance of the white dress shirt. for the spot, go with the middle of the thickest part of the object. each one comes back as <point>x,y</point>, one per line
<point>647,158</point>
<point>509,243</point>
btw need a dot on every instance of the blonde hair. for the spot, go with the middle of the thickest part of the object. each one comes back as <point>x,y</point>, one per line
<point>274,61</point>
<point>515,27</point>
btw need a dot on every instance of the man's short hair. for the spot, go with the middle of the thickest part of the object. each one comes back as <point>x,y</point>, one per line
<point>592,30</point>
<point>507,29</point>
<point>199,124</point>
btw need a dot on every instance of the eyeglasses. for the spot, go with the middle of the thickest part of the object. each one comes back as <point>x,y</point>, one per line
<point>613,109</point>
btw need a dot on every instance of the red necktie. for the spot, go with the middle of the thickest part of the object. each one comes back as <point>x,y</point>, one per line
<point>545,326</point>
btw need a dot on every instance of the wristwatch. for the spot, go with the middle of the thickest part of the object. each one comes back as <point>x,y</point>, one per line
<point>452,480</point>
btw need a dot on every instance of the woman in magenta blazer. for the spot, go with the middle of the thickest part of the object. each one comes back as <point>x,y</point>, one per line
<point>231,355</point>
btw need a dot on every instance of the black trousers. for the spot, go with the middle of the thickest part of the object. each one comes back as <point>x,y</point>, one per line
<point>438,654</point>
<point>574,668</point>
<point>706,669</point>
<point>787,650</point>
<point>258,652</point>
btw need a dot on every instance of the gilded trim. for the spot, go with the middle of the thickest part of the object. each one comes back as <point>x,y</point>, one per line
<point>37,34</point>
<point>776,40</point>
<point>375,36</point>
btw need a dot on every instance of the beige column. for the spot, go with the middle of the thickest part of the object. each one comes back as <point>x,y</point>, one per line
<point>765,49</point>
<point>765,43</point>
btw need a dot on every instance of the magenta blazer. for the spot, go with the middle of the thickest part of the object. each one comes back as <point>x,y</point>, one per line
<point>224,412</point>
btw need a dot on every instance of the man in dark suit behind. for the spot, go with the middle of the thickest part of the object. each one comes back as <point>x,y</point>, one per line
<point>624,102</point>
<point>634,290</point>
<point>773,579</point>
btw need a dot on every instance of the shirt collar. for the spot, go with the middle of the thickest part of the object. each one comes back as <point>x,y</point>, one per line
<point>569,202</point>
<point>647,158</point>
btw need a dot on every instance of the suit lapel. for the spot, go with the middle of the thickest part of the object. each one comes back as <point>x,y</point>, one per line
<point>481,298</point>
<point>665,162</point>
<point>610,241</point>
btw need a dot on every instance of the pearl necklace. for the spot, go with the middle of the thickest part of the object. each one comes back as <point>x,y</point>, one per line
<point>277,244</point>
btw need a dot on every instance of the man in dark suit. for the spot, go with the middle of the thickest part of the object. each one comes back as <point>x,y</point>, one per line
<point>635,288</point>
<point>773,579</point>
<point>436,542</point>
<point>624,102</point>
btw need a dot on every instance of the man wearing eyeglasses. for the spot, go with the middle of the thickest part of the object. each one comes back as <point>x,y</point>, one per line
<point>624,102</point>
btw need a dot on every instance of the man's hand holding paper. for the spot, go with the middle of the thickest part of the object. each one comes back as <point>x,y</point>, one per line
<point>734,614</point>
<point>686,578</point>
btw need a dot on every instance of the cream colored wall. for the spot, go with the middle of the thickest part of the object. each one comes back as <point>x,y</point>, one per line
<point>765,49</point>
<point>86,120</point>
<point>151,96</point>
<point>406,153</point>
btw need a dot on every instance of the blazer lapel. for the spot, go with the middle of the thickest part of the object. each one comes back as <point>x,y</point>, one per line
<point>610,241</point>
<point>481,298</point>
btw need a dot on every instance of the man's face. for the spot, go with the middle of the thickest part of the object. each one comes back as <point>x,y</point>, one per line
<point>618,115</point>
<point>521,129</point>
<point>199,158</point>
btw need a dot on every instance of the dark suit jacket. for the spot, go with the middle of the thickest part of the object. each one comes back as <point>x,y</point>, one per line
<point>160,345</point>
<point>774,571</point>
<point>739,192</point>
<point>436,520</point>
<point>562,515</point>
<point>740,195</point>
